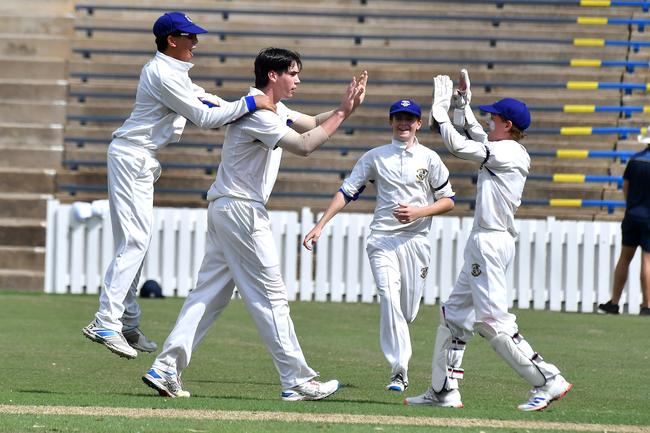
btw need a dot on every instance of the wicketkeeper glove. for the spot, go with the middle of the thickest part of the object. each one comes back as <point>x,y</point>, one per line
<point>442,92</point>
<point>461,99</point>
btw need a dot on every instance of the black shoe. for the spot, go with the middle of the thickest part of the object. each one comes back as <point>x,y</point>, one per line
<point>610,308</point>
<point>645,311</point>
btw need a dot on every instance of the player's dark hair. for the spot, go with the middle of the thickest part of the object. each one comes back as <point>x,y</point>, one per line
<point>161,43</point>
<point>274,59</point>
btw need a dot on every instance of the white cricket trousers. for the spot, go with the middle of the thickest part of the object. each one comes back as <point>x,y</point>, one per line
<point>132,171</point>
<point>399,263</point>
<point>239,251</point>
<point>480,293</point>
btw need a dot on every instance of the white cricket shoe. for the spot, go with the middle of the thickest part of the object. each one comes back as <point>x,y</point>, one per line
<point>397,383</point>
<point>113,340</point>
<point>312,390</point>
<point>431,398</point>
<point>542,396</point>
<point>167,383</point>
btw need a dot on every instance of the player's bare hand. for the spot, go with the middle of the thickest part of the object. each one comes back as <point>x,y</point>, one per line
<point>362,83</point>
<point>406,213</point>
<point>263,102</point>
<point>311,238</point>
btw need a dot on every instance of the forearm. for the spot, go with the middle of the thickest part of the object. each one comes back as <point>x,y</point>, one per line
<point>336,205</point>
<point>438,207</point>
<point>460,146</point>
<point>304,144</point>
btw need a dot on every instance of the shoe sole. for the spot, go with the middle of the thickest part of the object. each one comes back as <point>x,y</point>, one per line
<point>454,406</point>
<point>396,388</point>
<point>568,388</point>
<point>93,337</point>
<point>154,385</point>
<point>300,397</point>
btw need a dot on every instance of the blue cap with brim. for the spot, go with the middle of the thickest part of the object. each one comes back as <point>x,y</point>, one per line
<point>172,22</point>
<point>405,106</point>
<point>512,110</point>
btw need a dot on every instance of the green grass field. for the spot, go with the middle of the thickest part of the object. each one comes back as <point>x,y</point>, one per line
<point>45,361</point>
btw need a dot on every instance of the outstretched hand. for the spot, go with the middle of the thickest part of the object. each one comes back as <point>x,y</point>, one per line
<point>463,94</point>
<point>354,94</point>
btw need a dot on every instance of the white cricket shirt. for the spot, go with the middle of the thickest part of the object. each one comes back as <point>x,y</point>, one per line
<point>415,176</point>
<point>165,98</point>
<point>501,177</point>
<point>250,159</point>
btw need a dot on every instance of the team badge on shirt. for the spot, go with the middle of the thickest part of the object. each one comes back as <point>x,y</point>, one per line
<point>476,269</point>
<point>423,272</point>
<point>421,174</point>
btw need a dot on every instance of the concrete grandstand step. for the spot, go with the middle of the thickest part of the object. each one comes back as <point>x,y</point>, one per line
<point>15,110</point>
<point>23,180</point>
<point>21,21</point>
<point>41,157</point>
<point>23,205</point>
<point>31,134</point>
<point>34,90</point>
<point>34,45</point>
<point>15,67</point>
<point>22,232</point>
<point>45,8</point>
<point>21,280</point>
<point>22,258</point>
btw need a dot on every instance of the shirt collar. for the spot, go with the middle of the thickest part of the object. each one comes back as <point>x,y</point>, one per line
<point>174,63</point>
<point>254,91</point>
<point>402,145</point>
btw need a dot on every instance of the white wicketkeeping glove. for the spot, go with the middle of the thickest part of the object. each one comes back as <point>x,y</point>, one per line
<point>461,99</point>
<point>442,92</point>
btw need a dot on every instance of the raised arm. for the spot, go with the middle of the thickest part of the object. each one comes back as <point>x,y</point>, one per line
<point>305,143</point>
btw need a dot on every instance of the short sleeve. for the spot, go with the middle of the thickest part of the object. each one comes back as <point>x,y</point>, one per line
<point>267,127</point>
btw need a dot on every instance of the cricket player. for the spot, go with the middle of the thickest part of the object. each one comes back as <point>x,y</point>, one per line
<point>478,301</point>
<point>412,186</point>
<point>240,250</point>
<point>166,98</point>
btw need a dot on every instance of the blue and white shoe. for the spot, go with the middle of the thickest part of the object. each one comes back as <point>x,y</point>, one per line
<point>542,396</point>
<point>113,340</point>
<point>397,383</point>
<point>167,383</point>
<point>312,390</point>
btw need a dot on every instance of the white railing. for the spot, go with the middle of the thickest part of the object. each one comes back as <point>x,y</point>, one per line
<point>559,265</point>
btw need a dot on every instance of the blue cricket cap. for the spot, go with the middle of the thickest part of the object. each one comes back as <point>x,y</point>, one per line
<point>512,110</point>
<point>405,106</point>
<point>172,22</point>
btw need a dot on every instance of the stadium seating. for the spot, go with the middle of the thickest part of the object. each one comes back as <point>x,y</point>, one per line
<point>69,80</point>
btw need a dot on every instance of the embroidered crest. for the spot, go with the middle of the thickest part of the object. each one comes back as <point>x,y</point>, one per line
<point>476,269</point>
<point>421,174</point>
<point>405,103</point>
<point>423,272</point>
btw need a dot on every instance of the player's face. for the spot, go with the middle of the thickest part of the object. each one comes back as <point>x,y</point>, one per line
<point>405,125</point>
<point>181,46</point>
<point>288,82</point>
<point>501,129</point>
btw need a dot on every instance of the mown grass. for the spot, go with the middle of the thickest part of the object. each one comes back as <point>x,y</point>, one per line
<point>44,360</point>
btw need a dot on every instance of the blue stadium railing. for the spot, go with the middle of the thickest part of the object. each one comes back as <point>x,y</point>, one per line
<point>358,38</point>
<point>354,60</point>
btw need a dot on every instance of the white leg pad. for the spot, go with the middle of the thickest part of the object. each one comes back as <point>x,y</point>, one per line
<point>447,359</point>
<point>519,355</point>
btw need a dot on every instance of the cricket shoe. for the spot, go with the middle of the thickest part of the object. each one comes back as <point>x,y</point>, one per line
<point>397,383</point>
<point>138,340</point>
<point>167,383</point>
<point>431,398</point>
<point>608,308</point>
<point>542,396</point>
<point>312,390</point>
<point>113,340</point>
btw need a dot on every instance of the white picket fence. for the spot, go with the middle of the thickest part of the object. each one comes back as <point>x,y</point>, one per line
<point>559,265</point>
